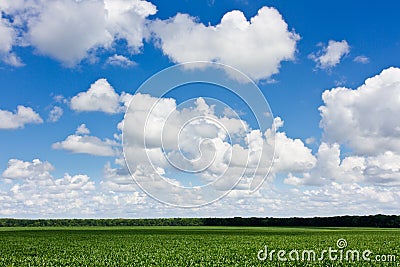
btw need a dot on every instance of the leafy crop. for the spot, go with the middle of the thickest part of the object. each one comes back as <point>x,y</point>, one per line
<point>183,246</point>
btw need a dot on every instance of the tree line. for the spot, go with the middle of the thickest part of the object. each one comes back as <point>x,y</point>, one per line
<point>383,221</point>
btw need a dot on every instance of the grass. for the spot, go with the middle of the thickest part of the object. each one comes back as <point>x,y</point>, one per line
<point>185,246</point>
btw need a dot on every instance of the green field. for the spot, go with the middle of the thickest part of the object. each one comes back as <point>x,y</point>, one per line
<point>190,246</point>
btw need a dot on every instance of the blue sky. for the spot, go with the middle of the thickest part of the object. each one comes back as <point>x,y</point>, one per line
<point>56,57</point>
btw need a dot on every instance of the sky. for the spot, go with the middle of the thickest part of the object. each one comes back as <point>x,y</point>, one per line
<point>206,108</point>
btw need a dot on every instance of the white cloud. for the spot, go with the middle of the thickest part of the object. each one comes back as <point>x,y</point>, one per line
<point>19,118</point>
<point>82,129</point>
<point>28,189</point>
<point>126,19</point>
<point>255,47</point>
<point>34,191</point>
<point>362,199</point>
<point>330,168</point>
<point>224,148</point>
<point>82,143</point>
<point>55,114</point>
<point>13,60</point>
<point>71,30</point>
<point>383,169</point>
<point>116,195</point>
<point>291,155</point>
<point>192,139</point>
<point>18,169</point>
<point>7,39</point>
<point>361,59</point>
<point>365,119</point>
<point>67,30</point>
<point>101,96</point>
<point>60,99</point>
<point>120,61</point>
<point>331,55</point>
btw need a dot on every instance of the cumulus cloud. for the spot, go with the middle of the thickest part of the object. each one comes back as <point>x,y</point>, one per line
<point>161,138</point>
<point>329,56</point>
<point>120,61</point>
<point>19,118</point>
<point>383,169</point>
<point>380,170</point>
<point>67,30</point>
<point>126,20</point>
<point>70,30</point>
<point>256,47</point>
<point>364,199</point>
<point>35,192</point>
<point>82,129</point>
<point>329,168</point>
<point>55,114</point>
<point>291,155</point>
<point>18,169</point>
<point>8,34</point>
<point>101,96</point>
<point>32,190</point>
<point>82,143</point>
<point>365,119</point>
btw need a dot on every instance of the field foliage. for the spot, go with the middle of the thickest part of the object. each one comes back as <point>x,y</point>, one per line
<point>184,246</point>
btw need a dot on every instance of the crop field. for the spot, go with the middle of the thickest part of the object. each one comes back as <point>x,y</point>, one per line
<point>198,246</point>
